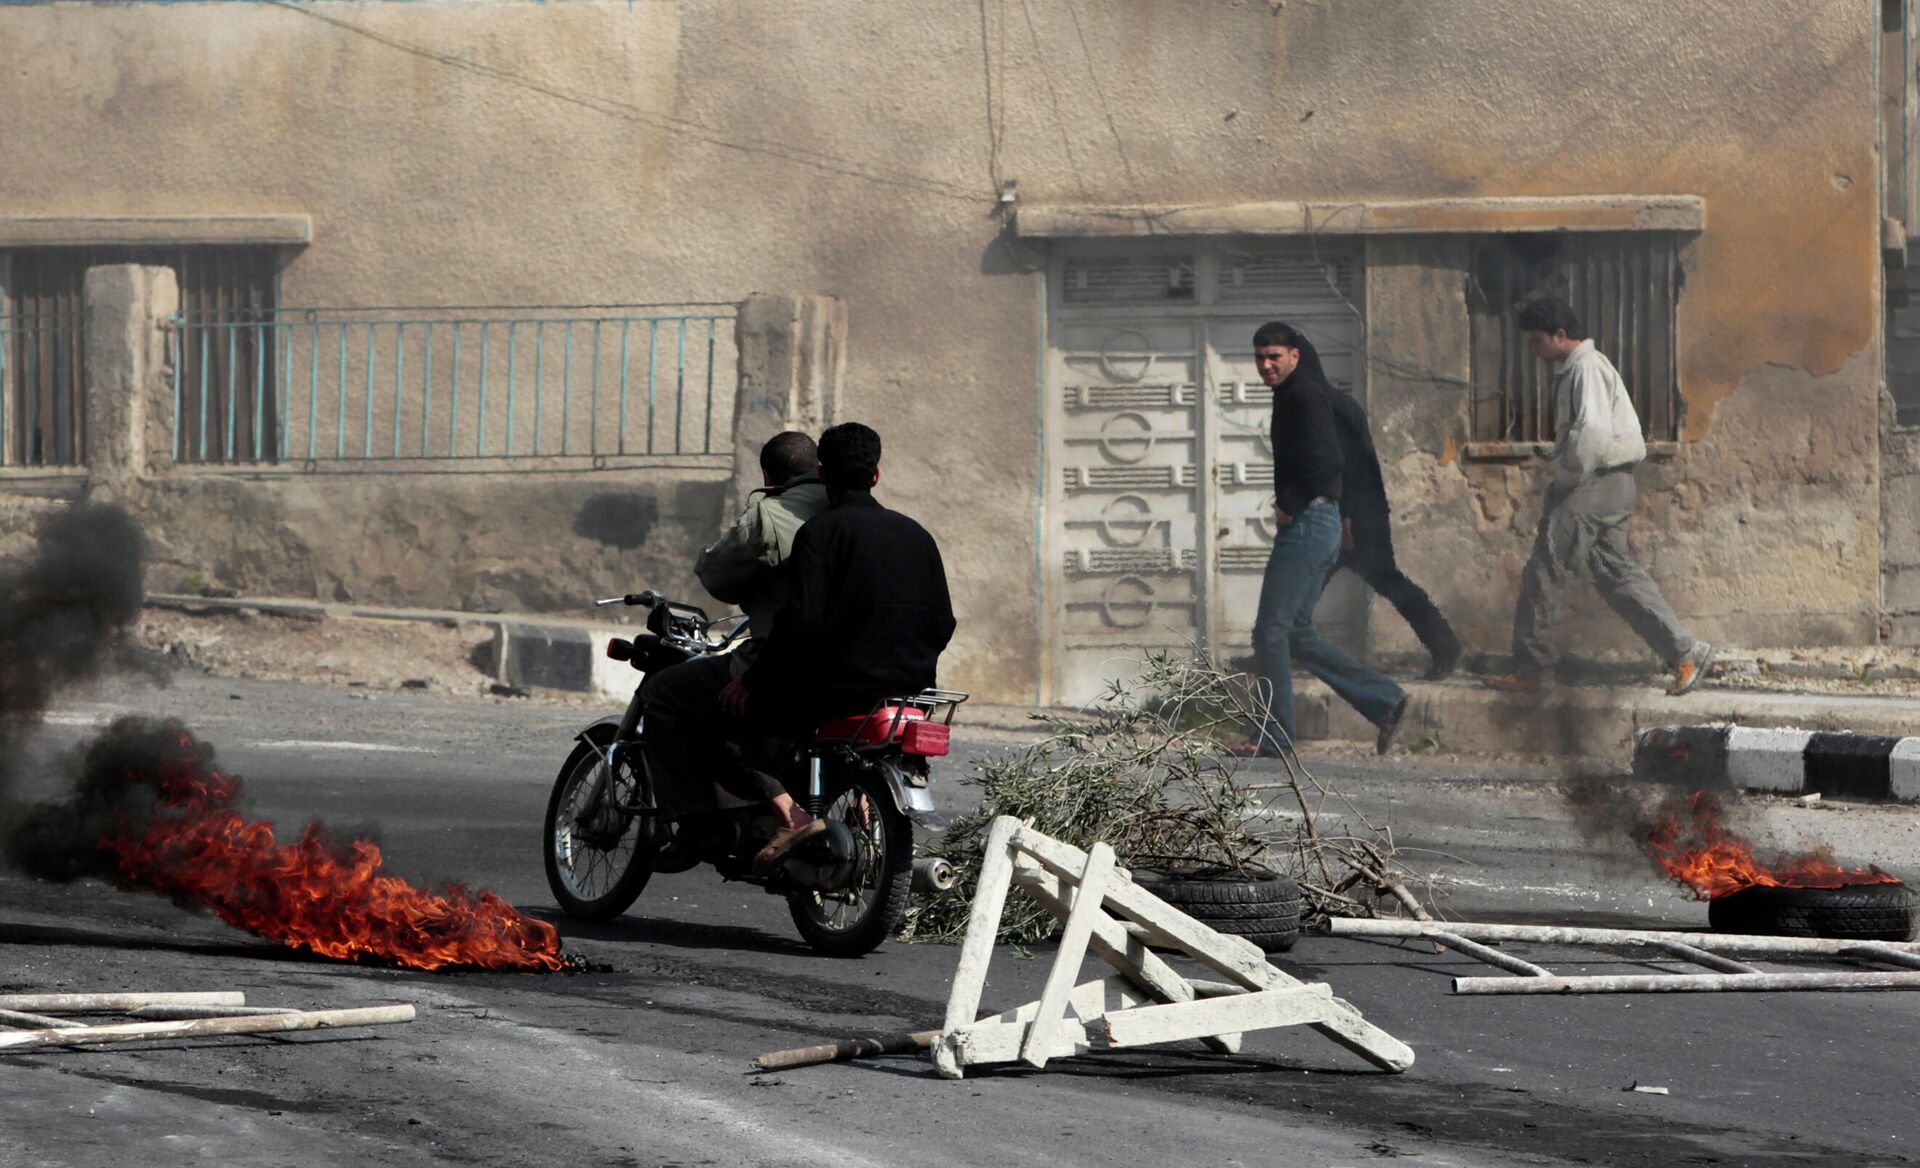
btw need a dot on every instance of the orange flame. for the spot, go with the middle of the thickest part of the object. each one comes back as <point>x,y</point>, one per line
<point>1691,841</point>
<point>311,894</point>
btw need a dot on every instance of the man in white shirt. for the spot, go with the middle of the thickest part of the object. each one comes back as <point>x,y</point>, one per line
<point>1597,445</point>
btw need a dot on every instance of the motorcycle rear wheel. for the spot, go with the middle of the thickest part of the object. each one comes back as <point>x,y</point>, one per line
<point>594,875</point>
<point>857,926</point>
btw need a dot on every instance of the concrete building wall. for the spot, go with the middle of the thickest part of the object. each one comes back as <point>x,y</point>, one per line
<point>588,152</point>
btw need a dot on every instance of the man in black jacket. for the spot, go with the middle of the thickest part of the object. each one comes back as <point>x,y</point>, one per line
<point>866,618</point>
<point>1367,538</point>
<point>1308,480</point>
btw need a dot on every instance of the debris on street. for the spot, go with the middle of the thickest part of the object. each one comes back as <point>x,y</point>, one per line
<point>211,1013</point>
<point>1147,1001</point>
<point>1707,950</point>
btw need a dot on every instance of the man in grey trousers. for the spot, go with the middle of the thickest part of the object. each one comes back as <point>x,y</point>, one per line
<point>1597,445</point>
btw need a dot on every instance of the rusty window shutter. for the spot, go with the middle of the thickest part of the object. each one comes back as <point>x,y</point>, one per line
<point>1625,287</point>
<point>44,334</point>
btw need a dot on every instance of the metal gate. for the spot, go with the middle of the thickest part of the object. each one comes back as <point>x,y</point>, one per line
<point>1160,492</point>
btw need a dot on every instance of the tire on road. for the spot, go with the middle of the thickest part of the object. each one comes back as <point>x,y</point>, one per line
<point>1856,912</point>
<point>880,901</point>
<point>1265,911</point>
<point>590,881</point>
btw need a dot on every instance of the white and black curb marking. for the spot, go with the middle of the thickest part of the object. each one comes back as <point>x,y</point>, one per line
<point>1788,762</point>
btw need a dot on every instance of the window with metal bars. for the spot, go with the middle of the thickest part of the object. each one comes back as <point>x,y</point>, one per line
<point>1625,288</point>
<point>42,339</point>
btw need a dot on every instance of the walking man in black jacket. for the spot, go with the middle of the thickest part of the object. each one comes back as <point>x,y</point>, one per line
<point>1367,538</point>
<point>866,618</point>
<point>1308,477</point>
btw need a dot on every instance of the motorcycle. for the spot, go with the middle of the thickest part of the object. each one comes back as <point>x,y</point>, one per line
<point>866,776</point>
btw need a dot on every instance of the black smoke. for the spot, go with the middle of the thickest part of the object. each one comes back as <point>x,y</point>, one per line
<point>137,771</point>
<point>63,609</point>
<point>62,612</point>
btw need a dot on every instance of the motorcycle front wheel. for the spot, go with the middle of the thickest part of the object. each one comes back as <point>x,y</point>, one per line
<point>596,857</point>
<point>857,921</point>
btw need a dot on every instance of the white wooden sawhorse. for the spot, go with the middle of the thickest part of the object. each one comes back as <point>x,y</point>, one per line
<point>1147,1000</point>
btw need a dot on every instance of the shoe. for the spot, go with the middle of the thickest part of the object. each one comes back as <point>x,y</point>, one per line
<point>1444,663</point>
<point>1391,727</point>
<point>783,842</point>
<point>1691,669</point>
<point>1518,682</point>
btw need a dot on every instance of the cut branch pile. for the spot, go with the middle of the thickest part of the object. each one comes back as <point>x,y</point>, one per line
<point>1146,770</point>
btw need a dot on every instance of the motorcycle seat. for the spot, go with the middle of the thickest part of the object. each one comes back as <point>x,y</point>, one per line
<point>905,726</point>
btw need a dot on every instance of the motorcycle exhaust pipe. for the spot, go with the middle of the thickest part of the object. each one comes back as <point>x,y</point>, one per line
<point>933,875</point>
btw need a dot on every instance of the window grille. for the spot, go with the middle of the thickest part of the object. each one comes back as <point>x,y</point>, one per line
<point>1141,279</point>
<point>1624,287</point>
<point>42,340</point>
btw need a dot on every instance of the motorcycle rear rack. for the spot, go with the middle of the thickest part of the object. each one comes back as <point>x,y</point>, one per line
<point>938,706</point>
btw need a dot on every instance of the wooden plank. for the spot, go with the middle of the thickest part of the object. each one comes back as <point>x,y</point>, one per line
<point>145,1031</point>
<point>1126,952</point>
<point>1702,957</point>
<point>173,1013</point>
<point>1088,897</point>
<point>976,950</point>
<point>1479,952</point>
<point>1345,1025</point>
<point>1179,1021</point>
<point>1877,951</point>
<point>983,923</point>
<point>77,1003</point>
<point>1690,983</point>
<point>1240,960</point>
<point>1560,935</point>
<point>1088,1001</point>
<point>1002,1042</point>
<point>18,1019</point>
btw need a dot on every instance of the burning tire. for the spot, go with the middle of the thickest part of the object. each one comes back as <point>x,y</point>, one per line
<point>1859,912</point>
<point>1265,911</point>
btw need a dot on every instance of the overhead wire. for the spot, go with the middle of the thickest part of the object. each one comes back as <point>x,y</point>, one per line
<point>1099,91</point>
<point>1053,97</point>
<point>669,123</point>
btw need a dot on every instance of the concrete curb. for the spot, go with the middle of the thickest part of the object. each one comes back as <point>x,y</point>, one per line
<point>542,652</point>
<point>1778,761</point>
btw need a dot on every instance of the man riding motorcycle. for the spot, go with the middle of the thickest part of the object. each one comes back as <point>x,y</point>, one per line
<point>742,567</point>
<point>866,618</point>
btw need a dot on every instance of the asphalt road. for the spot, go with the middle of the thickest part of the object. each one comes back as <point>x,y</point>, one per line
<point>644,1060</point>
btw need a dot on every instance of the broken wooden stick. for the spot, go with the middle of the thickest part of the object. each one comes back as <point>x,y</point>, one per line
<point>192,1028</point>
<point>37,1021</point>
<point>89,1003</point>
<point>173,1012</point>
<point>842,1051</point>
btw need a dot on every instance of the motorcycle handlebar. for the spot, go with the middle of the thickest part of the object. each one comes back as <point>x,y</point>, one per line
<point>645,599</point>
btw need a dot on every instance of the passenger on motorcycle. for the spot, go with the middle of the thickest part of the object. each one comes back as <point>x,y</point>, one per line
<point>681,702</point>
<point>866,618</point>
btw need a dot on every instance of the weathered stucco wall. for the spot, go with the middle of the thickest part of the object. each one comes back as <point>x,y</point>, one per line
<point>485,543</point>
<point>1900,518</point>
<point>605,151</point>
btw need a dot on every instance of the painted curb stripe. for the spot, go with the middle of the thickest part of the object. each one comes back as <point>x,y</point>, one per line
<point>1767,760</point>
<point>1682,754</point>
<point>1860,766</point>
<point>1849,764</point>
<point>1903,770</point>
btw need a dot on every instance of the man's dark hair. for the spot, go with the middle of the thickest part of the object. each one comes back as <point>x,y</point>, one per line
<point>1278,332</point>
<point>1549,314</point>
<point>788,455</point>
<point>849,454</point>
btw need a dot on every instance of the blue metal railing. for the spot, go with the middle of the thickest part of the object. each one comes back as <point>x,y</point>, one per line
<point>315,385</point>
<point>42,391</point>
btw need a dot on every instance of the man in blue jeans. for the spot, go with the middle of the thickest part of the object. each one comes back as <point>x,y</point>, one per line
<point>1307,474</point>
